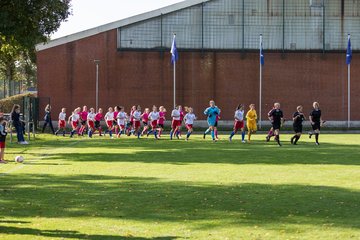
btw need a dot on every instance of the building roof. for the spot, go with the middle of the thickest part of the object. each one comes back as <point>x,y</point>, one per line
<point>117,24</point>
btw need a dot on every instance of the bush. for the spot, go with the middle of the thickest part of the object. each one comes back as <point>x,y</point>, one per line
<point>7,104</point>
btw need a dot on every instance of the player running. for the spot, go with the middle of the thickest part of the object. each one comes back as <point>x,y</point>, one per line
<point>239,123</point>
<point>277,119</point>
<point>121,121</point>
<point>91,122</point>
<point>74,121</point>
<point>154,117</point>
<point>316,122</point>
<point>211,113</point>
<point>189,122</point>
<point>109,120</point>
<point>145,120</point>
<point>251,118</point>
<point>98,117</point>
<point>161,120</point>
<point>83,120</point>
<point>298,119</point>
<point>137,118</point>
<point>175,114</point>
<point>62,122</point>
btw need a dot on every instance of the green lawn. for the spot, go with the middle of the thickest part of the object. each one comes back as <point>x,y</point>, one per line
<point>145,189</point>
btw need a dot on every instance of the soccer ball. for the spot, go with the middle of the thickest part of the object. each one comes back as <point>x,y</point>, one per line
<point>19,159</point>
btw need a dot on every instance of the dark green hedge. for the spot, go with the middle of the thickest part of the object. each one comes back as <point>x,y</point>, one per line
<point>6,104</point>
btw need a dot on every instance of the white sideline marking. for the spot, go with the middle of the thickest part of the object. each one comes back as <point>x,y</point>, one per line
<point>18,167</point>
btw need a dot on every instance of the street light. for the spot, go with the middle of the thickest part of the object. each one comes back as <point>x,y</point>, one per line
<point>97,62</point>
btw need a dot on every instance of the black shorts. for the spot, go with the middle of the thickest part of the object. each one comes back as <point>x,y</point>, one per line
<point>316,126</point>
<point>276,126</point>
<point>298,128</point>
<point>115,123</point>
<point>161,125</point>
<point>216,124</point>
<point>83,122</point>
<point>145,123</point>
<point>97,124</point>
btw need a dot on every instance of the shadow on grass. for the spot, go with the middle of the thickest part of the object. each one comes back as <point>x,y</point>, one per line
<point>181,152</point>
<point>69,234</point>
<point>151,200</point>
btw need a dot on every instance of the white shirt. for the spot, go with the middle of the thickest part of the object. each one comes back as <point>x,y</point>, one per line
<point>189,118</point>
<point>62,116</point>
<point>109,116</point>
<point>154,116</point>
<point>175,114</point>
<point>121,118</point>
<point>91,116</point>
<point>75,117</point>
<point>239,115</point>
<point>137,115</point>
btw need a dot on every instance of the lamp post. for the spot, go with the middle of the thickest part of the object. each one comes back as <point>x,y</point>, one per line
<point>97,62</point>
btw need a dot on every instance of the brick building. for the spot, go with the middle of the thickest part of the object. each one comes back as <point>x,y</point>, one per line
<point>218,41</point>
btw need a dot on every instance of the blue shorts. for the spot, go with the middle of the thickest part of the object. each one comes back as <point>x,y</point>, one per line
<point>212,124</point>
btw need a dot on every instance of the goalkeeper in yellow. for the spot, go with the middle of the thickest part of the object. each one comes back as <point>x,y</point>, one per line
<point>251,118</point>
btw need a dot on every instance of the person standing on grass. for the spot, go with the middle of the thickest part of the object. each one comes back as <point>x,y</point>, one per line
<point>298,119</point>
<point>276,117</point>
<point>18,124</point>
<point>251,118</point>
<point>47,119</point>
<point>239,123</point>
<point>74,121</point>
<point>211,112</point>
<point>316,122</point>
<point>62,122</point>
<point>189,122</point>
<point>3,134</point>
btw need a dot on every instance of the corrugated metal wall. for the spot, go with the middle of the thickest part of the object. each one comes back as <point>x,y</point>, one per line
<point>236,24</point>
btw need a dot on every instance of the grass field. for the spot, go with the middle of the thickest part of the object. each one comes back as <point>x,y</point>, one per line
<point>146,189</point>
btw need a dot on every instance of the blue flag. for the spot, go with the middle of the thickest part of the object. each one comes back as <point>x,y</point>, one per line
<point>348,52</point>
<point>174,52</point>
<point>262,59</point>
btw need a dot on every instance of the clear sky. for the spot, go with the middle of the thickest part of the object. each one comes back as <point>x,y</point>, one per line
<point>92,13</point>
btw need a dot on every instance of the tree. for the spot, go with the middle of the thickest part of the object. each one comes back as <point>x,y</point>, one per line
<point>30,22</point>
<point>23,24</point>
<point>9,52</point>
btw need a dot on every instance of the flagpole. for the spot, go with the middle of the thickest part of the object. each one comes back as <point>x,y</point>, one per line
<point>349,96</point>
<point>174,58</point>
<point>174,84</point>
<point>260,85</point>
<point>348,61</point>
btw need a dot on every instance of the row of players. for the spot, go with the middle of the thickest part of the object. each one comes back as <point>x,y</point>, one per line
<point>119,122</point>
